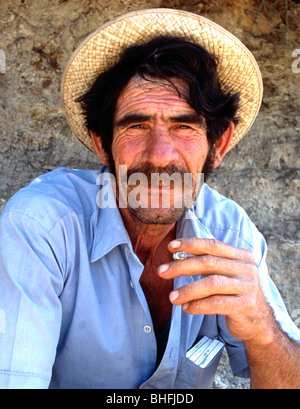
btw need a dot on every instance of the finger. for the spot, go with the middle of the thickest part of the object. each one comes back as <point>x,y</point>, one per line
<point>215,304</point>
<point>198,247</point>
<point>209,286</point>
<point>207,265</point>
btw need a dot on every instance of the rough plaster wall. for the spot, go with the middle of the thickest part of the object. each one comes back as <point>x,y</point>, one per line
<point>262,173</point>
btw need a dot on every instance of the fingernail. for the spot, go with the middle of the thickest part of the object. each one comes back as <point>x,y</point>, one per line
<point>175,244</point>
<point>185,306</point>
<point>163,268</point>
<point>173,296</point>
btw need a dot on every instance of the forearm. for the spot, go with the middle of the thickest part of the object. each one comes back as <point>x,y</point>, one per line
<point>275,365</point>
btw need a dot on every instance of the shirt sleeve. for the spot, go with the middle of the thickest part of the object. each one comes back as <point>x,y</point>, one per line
<point>277,304</point>
<point>30,311</point>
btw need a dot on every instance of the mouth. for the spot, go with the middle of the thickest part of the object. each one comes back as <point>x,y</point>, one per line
<point>157,188</point>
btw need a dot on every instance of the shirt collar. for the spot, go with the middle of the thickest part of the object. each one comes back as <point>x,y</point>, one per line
<point>190,225</point>
<point>107,224</point>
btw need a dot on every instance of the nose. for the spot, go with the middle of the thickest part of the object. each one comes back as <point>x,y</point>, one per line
<point>160,150</point>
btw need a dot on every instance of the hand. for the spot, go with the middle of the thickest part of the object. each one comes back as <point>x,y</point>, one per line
<point>230,287</point>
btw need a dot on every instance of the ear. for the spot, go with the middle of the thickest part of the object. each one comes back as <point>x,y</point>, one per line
<point>222,145</point>
<point>97,141</point>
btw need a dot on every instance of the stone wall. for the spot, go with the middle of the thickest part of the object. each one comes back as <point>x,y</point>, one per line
<point>262,173</point>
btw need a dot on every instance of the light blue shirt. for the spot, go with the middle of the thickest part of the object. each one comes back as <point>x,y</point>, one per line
<point>72,311</point>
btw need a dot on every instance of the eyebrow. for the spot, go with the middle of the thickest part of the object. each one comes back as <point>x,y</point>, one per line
<point>131,119</point>
<point>181,118</point>
<point>189,119</point>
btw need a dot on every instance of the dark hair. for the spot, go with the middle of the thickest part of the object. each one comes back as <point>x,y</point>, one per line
<point>163,58</point>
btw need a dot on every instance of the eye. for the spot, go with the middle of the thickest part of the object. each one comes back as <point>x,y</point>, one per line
<point>136,126</point>
<point>184,127</point>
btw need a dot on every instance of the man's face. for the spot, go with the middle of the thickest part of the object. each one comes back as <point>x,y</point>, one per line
<point>157,131</point>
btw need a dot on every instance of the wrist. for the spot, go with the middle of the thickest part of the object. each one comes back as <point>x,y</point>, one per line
<point>265,335</point>
<point>266,331</point>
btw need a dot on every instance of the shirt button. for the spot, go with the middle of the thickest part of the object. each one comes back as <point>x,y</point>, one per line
<point>147,329</point>
<point>131,283</point>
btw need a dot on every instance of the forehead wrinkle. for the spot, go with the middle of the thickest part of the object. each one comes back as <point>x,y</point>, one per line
<point>177,87</point>
<point>154,106</point>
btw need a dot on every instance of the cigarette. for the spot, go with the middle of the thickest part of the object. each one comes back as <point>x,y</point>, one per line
<point>180,255</point>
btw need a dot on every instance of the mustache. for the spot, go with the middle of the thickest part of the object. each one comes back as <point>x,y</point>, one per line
<point>148,169</point>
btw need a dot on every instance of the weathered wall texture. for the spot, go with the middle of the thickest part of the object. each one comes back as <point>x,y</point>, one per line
<point>262,173</point>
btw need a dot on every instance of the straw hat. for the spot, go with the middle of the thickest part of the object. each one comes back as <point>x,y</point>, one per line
<point>237,68</point>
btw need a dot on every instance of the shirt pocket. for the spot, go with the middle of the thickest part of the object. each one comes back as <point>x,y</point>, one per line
<point>191,376</point>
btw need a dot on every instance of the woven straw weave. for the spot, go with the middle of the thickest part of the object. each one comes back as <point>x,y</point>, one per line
<point>237,68</point>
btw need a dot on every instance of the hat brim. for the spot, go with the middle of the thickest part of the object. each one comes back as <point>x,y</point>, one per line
<point>237,68</point>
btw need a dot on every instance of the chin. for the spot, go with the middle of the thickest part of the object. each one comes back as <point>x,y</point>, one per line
<point>158,216</point>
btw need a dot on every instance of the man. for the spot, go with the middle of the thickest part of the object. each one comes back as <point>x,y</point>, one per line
<point>90,292</point>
